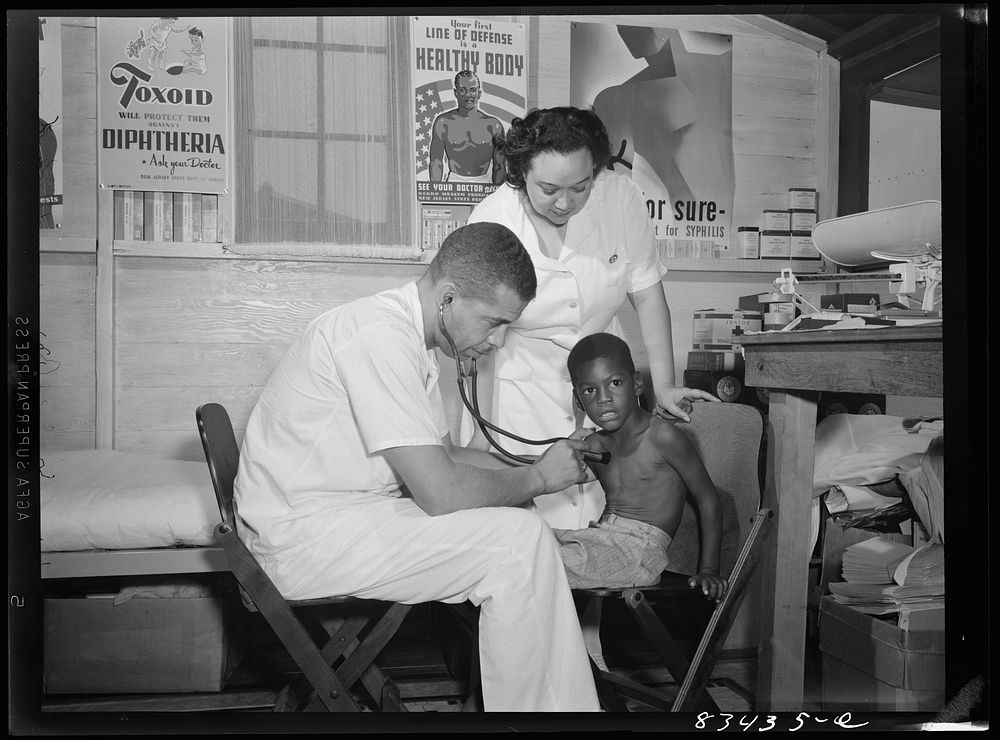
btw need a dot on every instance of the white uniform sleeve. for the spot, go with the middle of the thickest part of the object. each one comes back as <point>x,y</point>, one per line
<point>644,267</point>
<point>385,377</point>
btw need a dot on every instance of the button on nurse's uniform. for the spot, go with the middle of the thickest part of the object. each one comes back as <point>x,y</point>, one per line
<point>609,251</point>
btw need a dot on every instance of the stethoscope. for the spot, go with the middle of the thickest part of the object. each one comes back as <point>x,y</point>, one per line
<point>484,424</point>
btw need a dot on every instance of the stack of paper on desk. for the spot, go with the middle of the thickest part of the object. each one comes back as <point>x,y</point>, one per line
<point>880,575</point>
<point>874,560</point>
<point>924,567</point>
<point>884,593</point>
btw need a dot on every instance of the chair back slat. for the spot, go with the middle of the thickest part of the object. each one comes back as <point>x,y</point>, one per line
<point>222,454</point>
<point>707,652</point>
<point>728,438</point>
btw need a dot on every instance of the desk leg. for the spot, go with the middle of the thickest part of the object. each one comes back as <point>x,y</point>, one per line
<point>788,491</point>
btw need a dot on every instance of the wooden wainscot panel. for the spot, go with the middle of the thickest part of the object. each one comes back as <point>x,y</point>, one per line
<point>190,331</point>
<point>66,356</point>
<point>79,146</point>
<point>180,280</point>
<point>79,55</point>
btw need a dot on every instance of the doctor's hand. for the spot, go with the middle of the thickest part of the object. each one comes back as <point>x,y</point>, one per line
<point>562,465</point>
<point>675,404</point>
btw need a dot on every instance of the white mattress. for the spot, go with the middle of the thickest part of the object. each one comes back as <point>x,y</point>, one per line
<point>113,500</point>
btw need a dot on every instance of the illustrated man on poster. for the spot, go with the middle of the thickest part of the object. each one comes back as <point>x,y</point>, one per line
<point>464,135</point>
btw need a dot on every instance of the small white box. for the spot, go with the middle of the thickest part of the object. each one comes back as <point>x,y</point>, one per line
<point>776,221</point>
<point>802,246</point>
<point>748,242</point>
<point>720,329</point>
<point>775,244</point>
<point>804,198</point>
<point>801,219</point>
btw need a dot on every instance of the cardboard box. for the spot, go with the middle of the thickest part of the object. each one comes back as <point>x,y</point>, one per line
<point>145,645</point>
<point>872,665</point>
<point>845,688</point>
<point>720,329</point>
<point>866,303</point>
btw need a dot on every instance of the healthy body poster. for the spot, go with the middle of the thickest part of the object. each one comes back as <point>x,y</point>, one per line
<point>470,79</point>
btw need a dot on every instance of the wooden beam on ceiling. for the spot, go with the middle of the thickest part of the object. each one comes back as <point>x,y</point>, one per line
<point>905,47</point>
<point>782,30</point>
<point>864,33</point>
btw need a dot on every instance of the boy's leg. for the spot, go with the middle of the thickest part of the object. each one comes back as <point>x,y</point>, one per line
<point>609,557</point>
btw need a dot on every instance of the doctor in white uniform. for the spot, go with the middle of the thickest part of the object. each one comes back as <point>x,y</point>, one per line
<point>590,239</point>
<point>349,484</point>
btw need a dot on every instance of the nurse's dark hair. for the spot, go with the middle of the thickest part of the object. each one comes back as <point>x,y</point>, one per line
<point>561,130</point>
<point>601,345</point>
<point>480,256</point>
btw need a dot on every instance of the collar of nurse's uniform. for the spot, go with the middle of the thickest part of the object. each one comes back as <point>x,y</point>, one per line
<point>578,229</point>
<point>582,224</point>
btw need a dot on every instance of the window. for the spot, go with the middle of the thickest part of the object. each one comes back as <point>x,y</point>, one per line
<point>903,69</point>
<point>322,132</point>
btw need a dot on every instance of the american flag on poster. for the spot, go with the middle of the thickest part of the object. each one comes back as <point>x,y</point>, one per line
<point>470,82</point>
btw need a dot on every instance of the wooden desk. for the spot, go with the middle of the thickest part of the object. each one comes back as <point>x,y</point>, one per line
<point>795,366</point>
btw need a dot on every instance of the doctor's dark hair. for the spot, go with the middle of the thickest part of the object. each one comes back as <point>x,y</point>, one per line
<point>561,130</point>
<point>594,346</point>
<point>478,257</point>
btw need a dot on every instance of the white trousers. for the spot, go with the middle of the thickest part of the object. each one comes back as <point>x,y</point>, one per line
<point>505,560</point>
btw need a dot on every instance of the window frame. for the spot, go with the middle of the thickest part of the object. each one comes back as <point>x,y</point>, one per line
<point>394,239</point>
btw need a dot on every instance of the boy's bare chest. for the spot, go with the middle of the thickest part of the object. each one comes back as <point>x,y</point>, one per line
<point>637,471</point>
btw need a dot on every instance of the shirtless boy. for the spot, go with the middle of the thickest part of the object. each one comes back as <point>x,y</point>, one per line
<point>653,466</point>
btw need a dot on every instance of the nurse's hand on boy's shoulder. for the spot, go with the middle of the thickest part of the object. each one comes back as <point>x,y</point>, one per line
<point>676,403</point>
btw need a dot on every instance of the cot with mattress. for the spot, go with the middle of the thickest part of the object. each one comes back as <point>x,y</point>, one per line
<point>115,513</point>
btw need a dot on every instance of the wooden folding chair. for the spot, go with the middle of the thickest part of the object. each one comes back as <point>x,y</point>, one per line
<point>694,673</point>
<point>729,438</point>
<point>356,629</point>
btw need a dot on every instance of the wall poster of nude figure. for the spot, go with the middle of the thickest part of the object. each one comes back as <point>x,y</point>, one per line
<point>470,81</point>
<point>666,98</point>
<point>50,177</point>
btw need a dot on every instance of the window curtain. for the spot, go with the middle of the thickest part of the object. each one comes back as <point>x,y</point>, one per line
<point>323,141</point>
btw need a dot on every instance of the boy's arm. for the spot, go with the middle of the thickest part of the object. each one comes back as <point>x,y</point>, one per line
<point>680,454</point>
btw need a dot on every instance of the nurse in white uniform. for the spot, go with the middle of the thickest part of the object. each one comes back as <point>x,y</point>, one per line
<point>591,241</point>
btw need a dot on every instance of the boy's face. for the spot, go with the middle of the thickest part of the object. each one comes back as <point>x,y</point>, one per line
<point>607,392</point>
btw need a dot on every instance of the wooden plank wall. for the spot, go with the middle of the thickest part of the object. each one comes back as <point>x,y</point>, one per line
<point>187,330</point>
<point>67,376</point>
<point>67,263</point>
<point>191,331</point>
